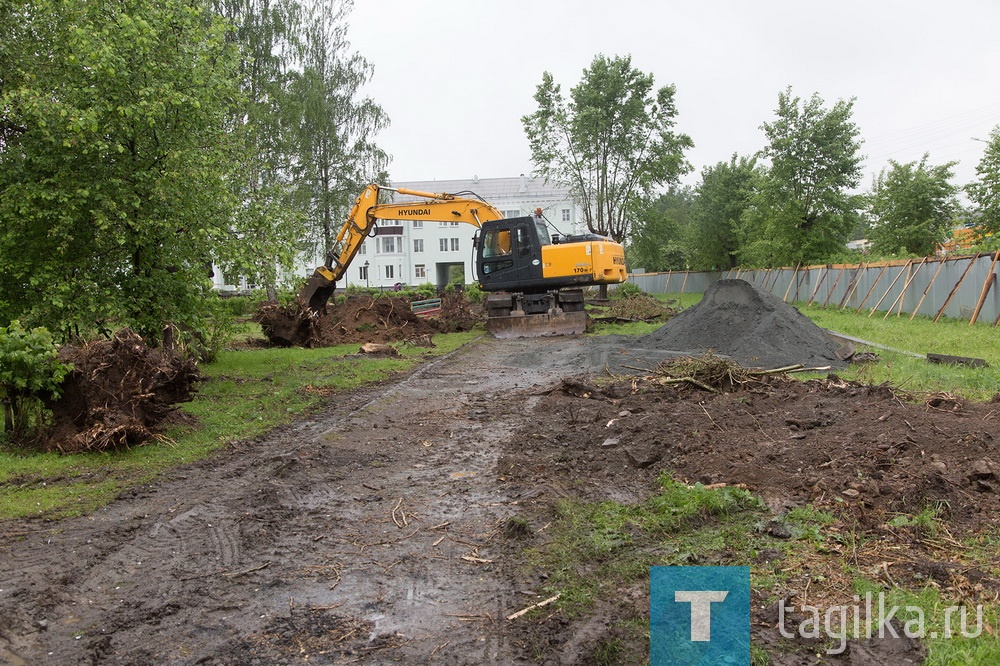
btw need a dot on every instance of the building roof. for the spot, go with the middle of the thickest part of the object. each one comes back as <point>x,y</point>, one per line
<point>497,191</point>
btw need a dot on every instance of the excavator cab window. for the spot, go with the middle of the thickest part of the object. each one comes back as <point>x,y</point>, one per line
<point>523,241</point>
<point>543,232</point>
<point>496,243</point>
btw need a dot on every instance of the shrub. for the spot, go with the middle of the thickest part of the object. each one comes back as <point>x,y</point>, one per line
<point>627,290</point>
<point>474,293</point>
<point>29,372</point>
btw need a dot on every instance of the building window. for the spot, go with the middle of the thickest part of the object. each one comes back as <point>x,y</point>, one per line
<point>442,224</point>
<point>363,272</point>
<point>420,272</point>
<point>512,213</point>
<point>390,272</point>
<point>454,224</point>
<point>565,214</point>
<point>362,250</point>
<point>454,245</point>
<point>418,224</point>
<point>388,244</point>
<point>443,244</point>
<point>418,244</point>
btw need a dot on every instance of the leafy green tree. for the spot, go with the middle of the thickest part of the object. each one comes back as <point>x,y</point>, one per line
<point>114,180</point>
<point>269,37</point>
<point>335,127</point>
<point>803,210</point>
<point>612,143</point>
<point>912,207</point>
<point>722,197</point>
<point>985,191</point>
<point>657,241</point>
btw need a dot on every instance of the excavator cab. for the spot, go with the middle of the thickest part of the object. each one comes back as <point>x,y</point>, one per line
<point>510,255</point>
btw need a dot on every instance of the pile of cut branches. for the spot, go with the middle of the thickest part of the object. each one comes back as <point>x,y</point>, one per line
<point>637,307</point>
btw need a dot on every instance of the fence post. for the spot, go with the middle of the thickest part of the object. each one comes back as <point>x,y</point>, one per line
<point>990,279</point>
<point>906,285</point>
<point>872,288</point>
<point>928,288</point>
<point>958,284</point>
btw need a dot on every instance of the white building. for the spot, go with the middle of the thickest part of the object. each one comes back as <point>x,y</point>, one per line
<point>414,252</point>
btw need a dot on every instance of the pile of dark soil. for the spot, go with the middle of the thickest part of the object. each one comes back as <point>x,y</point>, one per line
<point>864,454</point>
<point>827,442</point>
<point>116,395</point>
<point>359,319</point>
<point>753,327</point>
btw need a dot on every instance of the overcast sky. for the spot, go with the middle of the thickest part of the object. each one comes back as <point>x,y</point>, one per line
<point>456,76</point>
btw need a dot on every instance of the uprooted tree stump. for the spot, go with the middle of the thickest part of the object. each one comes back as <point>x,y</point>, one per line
<point>118,392</point>
<point>358,319</point>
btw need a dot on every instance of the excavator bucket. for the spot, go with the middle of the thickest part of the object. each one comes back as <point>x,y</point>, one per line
<point>537,325</point>
<point>316,292</point>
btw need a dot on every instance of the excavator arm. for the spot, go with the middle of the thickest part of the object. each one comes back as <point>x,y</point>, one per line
<point>361,222</point>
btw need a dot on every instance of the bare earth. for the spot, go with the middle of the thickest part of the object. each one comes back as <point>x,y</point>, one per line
<point>374,532</point>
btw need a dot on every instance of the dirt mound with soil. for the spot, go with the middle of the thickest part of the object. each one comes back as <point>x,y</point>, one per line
<point>458,314</point>
<point>358,319</point>
<point>753,327</point>
<point>862,453</point>
<point>827,442</point>
<point>116,395</point>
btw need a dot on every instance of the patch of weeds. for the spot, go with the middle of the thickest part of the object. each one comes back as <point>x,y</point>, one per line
<point>926,523</point>
<point>759,656</point>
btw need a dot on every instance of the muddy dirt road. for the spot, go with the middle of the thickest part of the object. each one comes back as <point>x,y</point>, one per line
<point>374,532</point>
<point>361,535</point>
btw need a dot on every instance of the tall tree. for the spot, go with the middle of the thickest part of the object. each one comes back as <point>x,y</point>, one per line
<point>335,128</point>
<point>612,143</point>
<point>985,191</point>
<point>114,184</point>
<point>804,210</point>
<point>269,36</point>
<point>721,199</point>
<point>912,207</point>
<point>658,237</point>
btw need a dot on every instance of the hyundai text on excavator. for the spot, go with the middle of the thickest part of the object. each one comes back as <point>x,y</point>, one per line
<point>533,280</point>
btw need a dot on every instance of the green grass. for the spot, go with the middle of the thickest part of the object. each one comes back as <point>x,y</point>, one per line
<point>597,550</point>
<point>926,608</point>
<point>247,393</point>
<point>921,336</point>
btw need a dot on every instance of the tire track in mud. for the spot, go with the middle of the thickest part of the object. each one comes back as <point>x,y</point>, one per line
<point>363,534</point>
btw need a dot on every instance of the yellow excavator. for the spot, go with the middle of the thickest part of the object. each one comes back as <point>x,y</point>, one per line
<point>533,280</point>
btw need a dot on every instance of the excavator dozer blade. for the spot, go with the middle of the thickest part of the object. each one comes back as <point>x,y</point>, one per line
<point>538,325</point>
<point>316,292</point>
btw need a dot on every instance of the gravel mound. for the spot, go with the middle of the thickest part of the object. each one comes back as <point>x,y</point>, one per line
<point>753,327</point>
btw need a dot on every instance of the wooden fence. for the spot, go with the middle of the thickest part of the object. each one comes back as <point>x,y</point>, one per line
<point>961,287</point>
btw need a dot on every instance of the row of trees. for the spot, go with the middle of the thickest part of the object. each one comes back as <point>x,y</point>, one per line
<point>141,141</point>
<point>796,201</point>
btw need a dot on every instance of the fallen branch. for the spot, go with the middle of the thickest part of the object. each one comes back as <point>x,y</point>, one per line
<point>514,616</point>
<point>246,571</point>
